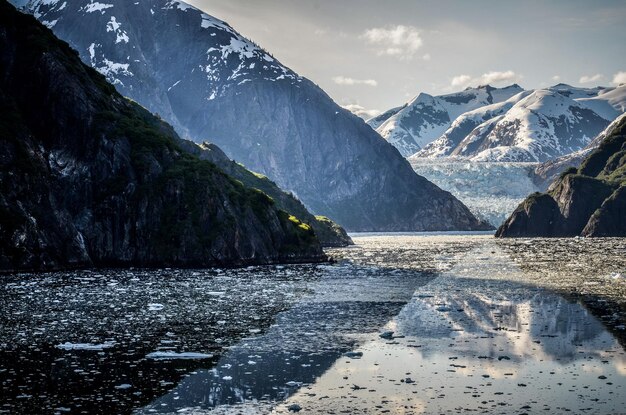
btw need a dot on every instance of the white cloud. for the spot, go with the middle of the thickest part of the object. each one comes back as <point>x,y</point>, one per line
<point>461,81</point>
<point>556,78</point>
<point>619,78</point>
<point>399,41</point>
<point>493,77</point>
<point>587,79</point>
<point>361,112</point>
<point>426,57</point>
<point>342,80</point>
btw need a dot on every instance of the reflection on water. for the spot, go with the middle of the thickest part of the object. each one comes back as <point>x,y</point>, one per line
<point>473,330</point>
<point>477,339</point>
<point>303,343</point>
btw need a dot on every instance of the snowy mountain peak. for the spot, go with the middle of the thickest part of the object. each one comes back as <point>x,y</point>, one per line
<point>211,83</point>
<point>425,118</point>
<point>501,124</point>
<point>120,52</point>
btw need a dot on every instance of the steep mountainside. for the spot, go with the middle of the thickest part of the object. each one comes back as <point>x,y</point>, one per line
<point>89,178</point>
<point>213,84</point>
<point>531,126</point>
<point>425,118</point>
<point>547,172</point>
<point>328,232</point>
<point>588,201</point>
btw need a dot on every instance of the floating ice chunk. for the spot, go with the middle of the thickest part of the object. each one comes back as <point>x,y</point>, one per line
<point>175,356</point>
<point>216,293</point>
<point>124,386</point>
<point>354,355</point>
<point>155,307</point>
<point>227,378</point>
<point>387,335</point>
<point>85,346</point>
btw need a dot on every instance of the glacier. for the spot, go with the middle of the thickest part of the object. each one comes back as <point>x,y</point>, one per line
<point>491,190</point>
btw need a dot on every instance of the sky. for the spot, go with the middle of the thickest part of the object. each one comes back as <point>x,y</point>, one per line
<point>378,54</point>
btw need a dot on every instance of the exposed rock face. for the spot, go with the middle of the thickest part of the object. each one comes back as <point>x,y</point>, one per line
<point>547,172</point>
<point>213,84</point>
<point>88,178</point>
<point>588,201</point>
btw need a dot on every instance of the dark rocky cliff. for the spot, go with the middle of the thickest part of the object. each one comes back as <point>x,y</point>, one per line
<point>549,171</point>
<point>89,178</point>
<point>589,200</point>
<point>213,84</point>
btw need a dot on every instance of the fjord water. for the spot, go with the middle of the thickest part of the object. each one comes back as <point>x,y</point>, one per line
<point>496,326</point>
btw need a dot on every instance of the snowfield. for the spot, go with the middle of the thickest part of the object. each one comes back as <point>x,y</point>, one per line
<point>501,124</point>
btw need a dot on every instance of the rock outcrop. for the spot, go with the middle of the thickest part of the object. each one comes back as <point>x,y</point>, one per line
<point>89,178</point>
<point>588,201</point>
<point>547,172</point>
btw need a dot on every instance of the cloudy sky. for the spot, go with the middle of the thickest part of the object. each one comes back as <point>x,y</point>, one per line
<point>378,54</point>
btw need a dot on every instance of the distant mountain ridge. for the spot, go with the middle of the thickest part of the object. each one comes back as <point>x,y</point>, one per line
<point>422,120</point>
<point>213,84</point>
<point>589,200</point>
<point>516,125</point>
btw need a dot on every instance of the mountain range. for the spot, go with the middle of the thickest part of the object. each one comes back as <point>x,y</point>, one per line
<point>212,84</point>
<point>501,124</point>
<point>422,120</point>
<point>90,178</point>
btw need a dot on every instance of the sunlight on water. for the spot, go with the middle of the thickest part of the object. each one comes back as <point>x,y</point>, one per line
<point>467,322</point>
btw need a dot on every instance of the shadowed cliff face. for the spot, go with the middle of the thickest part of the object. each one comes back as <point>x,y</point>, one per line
<point>213,84</point>
<point>90,178</point>
<point>589,200</point>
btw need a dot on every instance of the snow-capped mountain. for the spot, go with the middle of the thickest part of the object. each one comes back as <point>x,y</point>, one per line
<point>213,84</point>
<point>539,127</point>
<point>411,127</point>
<point>547,172</point>
<point>531,126</point>
<point>465,124</point>
<point>139,47</point>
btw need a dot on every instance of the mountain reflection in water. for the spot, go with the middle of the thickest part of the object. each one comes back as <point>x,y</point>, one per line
<point>477,325</point>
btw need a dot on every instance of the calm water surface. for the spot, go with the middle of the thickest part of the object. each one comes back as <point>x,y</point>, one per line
<point>468,324</point>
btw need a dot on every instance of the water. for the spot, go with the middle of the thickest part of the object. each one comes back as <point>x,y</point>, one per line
<point>478,324</point>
